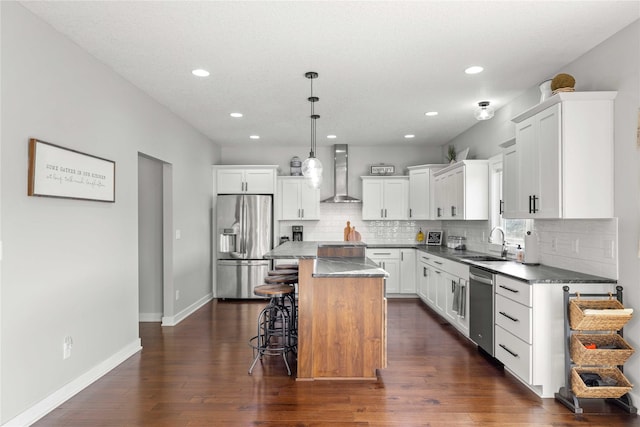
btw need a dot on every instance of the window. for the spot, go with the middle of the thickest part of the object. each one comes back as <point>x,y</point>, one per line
<point>514,229</point>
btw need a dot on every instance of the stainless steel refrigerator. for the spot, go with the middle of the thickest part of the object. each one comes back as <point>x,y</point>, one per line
<point>244,227</point>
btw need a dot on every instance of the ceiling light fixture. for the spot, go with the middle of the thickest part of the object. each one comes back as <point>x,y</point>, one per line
<point>331,136</point>
<point>200,72</point>
<point>475,69</point>
<point>484,111</point>
<point>312,167</point>
<point>431,113</point>
<point>254,136</point>
<point>235,115</point>
<point>409,136</point>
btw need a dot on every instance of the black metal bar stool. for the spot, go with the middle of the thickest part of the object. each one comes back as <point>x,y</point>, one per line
<point>274,335</point>
<point>290,301</point>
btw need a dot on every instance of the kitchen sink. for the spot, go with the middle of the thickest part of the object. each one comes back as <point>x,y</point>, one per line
<point>484,258</point>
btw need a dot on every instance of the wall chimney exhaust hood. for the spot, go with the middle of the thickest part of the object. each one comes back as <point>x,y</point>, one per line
<point>341,176</point>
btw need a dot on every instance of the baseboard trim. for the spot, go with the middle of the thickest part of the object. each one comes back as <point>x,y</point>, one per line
<point>174,320</point>
<point>66,392</point>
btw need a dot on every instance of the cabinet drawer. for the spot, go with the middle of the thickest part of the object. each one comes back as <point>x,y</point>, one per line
<point>514,353</point>
<point>514,317</point>
<point>514,289</point>
<point>383,253</point>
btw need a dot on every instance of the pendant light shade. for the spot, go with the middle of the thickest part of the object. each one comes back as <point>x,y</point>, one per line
<point>312,167</point>
<point>484,111</point>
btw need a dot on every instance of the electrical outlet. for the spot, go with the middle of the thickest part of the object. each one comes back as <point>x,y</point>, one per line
<point>554,244</point>
<point>177,295</point>
<point>66,347</point>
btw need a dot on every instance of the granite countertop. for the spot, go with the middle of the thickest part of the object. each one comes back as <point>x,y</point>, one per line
<point>511,268</point>
<point>516,270</point>
<point>347,267</point>
<point>328,267</point>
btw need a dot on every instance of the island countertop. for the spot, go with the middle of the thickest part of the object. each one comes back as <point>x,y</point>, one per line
<point>329,266</point>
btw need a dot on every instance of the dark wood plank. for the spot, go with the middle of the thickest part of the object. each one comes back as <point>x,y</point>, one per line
<point>195,375</point>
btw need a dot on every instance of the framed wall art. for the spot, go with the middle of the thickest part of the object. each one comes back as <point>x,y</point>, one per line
<point>434,238</point>
<point>56,171</point>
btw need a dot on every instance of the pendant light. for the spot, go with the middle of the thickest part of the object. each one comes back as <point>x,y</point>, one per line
<point>484,111</point>
<point>312,167</point>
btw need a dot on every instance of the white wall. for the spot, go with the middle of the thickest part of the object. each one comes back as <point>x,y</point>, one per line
<point>70,268</point>
<point>613,65</point>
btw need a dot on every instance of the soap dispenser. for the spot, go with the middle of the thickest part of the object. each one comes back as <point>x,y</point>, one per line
<point>420,236</point>
<point>519,254</point>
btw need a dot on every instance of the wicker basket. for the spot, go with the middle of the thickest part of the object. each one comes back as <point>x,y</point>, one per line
<point>596,322</point>
<point>608,357</point>
<point>580,389</point>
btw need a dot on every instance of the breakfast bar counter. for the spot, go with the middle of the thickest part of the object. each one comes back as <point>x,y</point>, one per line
<point>341,310</point>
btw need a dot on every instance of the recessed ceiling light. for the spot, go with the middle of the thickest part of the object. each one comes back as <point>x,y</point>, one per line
<point>331,136</point>
<point>474,69</point>
<point>236,115</point>
<point>409,136</point>
<point>254,136</point>
<point>200,72</point>
<point>431,113</point>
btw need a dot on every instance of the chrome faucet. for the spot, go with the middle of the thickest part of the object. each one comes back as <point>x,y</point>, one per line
<point>503,252</point>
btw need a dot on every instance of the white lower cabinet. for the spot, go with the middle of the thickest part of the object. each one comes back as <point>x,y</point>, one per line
<point>438,279</point>
<point>529,330</point>
<point>401,266</point>
<point>407,271</point>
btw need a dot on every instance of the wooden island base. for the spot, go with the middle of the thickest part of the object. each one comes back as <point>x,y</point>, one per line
<point>341,326</point>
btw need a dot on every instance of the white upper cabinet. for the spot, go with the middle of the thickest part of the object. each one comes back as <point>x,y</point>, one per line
<point>298,200</point>
<point>385,197</point>
<point>561,165</point>
<point>462,191</point>
<point>245,179</point>
<point>421,190</point>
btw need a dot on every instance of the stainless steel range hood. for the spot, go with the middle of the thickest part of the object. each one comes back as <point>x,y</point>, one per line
<point>341,176</point>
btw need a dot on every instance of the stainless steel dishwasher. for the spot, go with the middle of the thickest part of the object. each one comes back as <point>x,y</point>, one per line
<point>481,306</point>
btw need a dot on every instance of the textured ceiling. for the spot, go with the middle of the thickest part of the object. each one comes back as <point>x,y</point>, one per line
<point>381,65</point>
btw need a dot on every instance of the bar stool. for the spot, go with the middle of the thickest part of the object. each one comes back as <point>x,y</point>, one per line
<point>274,335</point>
<point>288,301</point>
<point>287,267</point>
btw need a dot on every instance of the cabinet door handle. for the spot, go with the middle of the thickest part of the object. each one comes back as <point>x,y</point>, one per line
<point>381,213</point>
<point>437,272</point>
<point>401,256</point>
<point>453,286</point>
<point>509,317</point>
<point>410,213</point>
<point>501,207</point>
<point>385,213</point>
<point>530,204</point>
<point>302,211</point>
<point>509,351</point>
<point>453,211</point>
<point>438,213</point>
<point>515,291</point>
<point>437,262</point>
<point>535,209</point>
<point>424,271</point>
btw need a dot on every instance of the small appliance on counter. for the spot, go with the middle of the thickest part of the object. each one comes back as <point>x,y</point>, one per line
<point>296,230</point>
<point>284,239</point>
<point>456,242</point>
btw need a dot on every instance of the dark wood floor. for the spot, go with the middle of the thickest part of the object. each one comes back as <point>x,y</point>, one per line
<point>195,374</point>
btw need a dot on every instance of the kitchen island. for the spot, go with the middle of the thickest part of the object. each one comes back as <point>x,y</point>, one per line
<point>341,310</point>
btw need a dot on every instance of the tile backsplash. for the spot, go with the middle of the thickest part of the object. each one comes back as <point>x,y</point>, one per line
<point>588,246</point>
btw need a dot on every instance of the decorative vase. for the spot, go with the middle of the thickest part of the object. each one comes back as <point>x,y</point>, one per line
<point>545,90</point>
